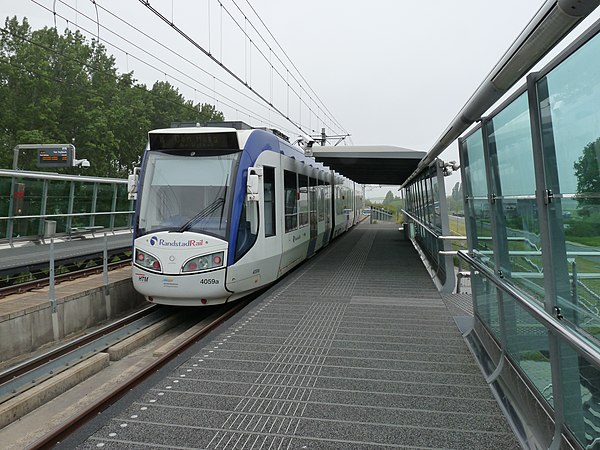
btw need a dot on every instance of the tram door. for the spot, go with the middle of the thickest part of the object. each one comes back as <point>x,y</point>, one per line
<point>312,218</point>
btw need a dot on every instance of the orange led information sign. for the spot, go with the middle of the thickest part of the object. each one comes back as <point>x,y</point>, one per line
<point>55,157</point>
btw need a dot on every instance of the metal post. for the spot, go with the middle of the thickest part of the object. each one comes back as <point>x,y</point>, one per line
<point>113,207</point>
<point>446,261</point>
<point>574,294</point>
<point>105,276</point>
<point>52,293</point>
<point>70,206</point>
<point>563,367</point>
<point>43,208</point>
<point>10,224</point>
<point>15,157</point>
<point>94,202</point>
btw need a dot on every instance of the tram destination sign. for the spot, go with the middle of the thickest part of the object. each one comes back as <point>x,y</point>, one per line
<point>55,157</point>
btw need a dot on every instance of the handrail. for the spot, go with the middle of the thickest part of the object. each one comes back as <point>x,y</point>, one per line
<point>432,232</point>
<point>60,177</point>
<point>581,345</point>
<point>45,216</point>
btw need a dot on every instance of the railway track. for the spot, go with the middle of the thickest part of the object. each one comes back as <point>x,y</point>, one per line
<point>18,381</point>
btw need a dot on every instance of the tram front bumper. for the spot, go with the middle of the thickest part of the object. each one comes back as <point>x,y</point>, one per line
<point>198,289</point>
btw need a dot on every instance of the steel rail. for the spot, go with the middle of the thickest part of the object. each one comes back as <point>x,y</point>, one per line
<point>14,377</point>
<point>61,432</point>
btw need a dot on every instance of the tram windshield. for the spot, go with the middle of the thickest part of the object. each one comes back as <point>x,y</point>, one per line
<point>187,191</point>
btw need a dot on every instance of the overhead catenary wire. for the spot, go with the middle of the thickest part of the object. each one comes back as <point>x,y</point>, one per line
<point>179,55</point>
<point>328,113</point>
<point>228,103</point>
<point>167,64</point>
<point>302,92</point>
<point>223,66</point>
<point>292,63</point>
<point>244,31</point>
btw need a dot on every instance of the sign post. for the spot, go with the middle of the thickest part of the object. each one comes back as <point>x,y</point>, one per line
<point>51,155</point>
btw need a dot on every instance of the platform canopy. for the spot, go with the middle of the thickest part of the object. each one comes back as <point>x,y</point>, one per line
<point>370,164</point>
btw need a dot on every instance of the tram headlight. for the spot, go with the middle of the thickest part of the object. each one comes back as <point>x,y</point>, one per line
<point>147,261</point>
<point>204,262</point>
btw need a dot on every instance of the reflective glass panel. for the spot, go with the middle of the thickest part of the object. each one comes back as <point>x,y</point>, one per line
<point>478,214</point>
<point>84,195</point>
<point>104,204</point>
<point>512,138</point>
<point>58,203</point>
<point>527,342</point>
<point>27,201</point>
<point>486,303</point>
<point>569,97</point>
<point>581,396</point>
<point>475,169</point>
<point>123,204</point>
<point>510,142</point>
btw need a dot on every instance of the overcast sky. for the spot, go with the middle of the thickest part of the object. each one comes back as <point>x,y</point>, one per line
<point>390,72</point>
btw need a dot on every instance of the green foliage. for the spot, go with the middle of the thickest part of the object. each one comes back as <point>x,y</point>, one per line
<point>455,200</point>
<point>588,177</point>
<point>391,203</point>
<point>63,89</point>
<point>389,198</point>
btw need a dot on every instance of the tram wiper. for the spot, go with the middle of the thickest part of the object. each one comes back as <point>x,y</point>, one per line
<point>202,214</point>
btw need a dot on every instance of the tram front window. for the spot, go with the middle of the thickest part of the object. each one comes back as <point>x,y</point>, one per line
<point>186,191</point>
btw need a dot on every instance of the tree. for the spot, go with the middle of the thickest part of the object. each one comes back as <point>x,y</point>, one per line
<point>389,198</point>
<point>457,192</point>
<point>588,178</point>
<point>63,89</point>
<point>455,201</point>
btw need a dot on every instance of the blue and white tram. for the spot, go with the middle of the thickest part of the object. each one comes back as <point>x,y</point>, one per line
<point>222,212</point>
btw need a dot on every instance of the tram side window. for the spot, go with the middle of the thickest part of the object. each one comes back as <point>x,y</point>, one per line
<point>269,196</point>
<point>303,199</point>
<point>290,187</point>
<point>321,204</point>
<point>328,202</point>
<point>339,206</point>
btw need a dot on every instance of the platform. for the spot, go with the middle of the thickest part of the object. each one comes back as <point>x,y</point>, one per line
<point>353,350</point>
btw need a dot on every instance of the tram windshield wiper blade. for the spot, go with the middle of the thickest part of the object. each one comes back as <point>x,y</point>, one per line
<point>202,214</point>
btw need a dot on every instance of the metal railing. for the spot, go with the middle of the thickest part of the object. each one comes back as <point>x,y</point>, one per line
<point>38,205</point>
<point>381,215</point>
<point>582,345</point>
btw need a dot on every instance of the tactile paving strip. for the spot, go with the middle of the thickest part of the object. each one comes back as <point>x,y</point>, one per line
<point>277,399</point>
<point>346,276</point>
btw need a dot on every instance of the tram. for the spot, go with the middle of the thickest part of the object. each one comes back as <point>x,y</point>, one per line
<point>222,212</point>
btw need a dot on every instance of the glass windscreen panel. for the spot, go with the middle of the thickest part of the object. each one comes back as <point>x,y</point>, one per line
<point>478,214</point>
<point>187,191</point>
<point>509,137</point>
<point>569,96</point>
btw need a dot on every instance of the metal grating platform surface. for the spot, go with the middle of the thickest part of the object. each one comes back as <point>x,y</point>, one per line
<point>459,304</point>
<point>354,350</point>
